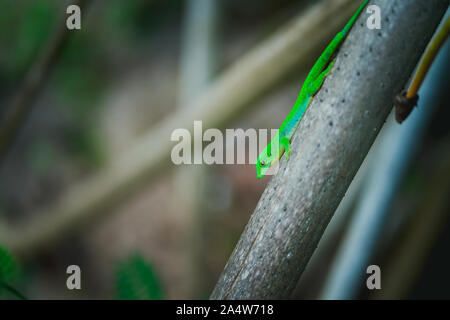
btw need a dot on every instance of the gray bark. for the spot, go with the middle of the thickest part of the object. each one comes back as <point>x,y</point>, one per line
<point>329,146</point>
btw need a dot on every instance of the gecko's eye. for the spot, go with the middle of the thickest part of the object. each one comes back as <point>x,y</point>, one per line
<point>262,162</point>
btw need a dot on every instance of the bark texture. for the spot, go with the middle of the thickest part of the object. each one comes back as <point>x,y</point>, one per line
<point>329,146</point>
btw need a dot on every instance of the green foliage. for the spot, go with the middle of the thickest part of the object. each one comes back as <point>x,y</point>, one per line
<point>8,270</point>
<point>137,280</point>
<point>80,72</point>
<point>24,28</point>
<point>83,143</point>
<point>7,265</point>
<point>124,14</point>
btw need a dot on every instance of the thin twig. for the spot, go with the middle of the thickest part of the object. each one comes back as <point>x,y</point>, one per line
<point>405,102</point>
<point>34,81</point>
<point>428,58</point>
<point>11,290</point>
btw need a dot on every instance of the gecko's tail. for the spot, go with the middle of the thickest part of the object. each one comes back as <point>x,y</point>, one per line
<point>350,23</point>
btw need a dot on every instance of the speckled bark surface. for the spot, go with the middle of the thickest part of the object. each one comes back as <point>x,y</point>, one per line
<point>329,146</point>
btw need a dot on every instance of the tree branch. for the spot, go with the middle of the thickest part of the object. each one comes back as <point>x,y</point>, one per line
<point>328,148</point>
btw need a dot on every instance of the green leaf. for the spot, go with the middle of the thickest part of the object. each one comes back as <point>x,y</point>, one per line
<point>8,269</point>
<point>137,280</point>
<point>7,265</point>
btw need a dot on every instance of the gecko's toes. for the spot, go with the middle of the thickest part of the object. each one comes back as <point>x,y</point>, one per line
<point>288,154</point>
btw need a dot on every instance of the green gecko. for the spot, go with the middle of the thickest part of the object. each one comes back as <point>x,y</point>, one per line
<point>281,142</point>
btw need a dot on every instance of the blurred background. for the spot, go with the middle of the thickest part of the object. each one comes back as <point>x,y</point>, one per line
<point>75,190</point>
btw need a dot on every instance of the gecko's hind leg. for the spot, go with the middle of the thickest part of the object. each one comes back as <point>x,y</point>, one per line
<point>317,83</point>
<point>287,146</point>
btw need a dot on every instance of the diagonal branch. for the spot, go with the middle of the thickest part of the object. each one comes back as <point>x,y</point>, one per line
<point>328,148</point>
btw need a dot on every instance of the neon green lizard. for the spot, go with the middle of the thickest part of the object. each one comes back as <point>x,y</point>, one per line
<point>281,142</point>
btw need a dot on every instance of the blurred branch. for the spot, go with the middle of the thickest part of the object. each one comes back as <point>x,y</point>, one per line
<point>328,148</point>
<point>409,254</point>
<point>198,62</point>
<point>198,54</point>
<point>391,165</point>
<point>34,81</point>
<point>400,144</point>
<point>228,97</point>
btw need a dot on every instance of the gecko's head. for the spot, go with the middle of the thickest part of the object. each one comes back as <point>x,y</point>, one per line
<point>261,167</point>
<point>264,162</point>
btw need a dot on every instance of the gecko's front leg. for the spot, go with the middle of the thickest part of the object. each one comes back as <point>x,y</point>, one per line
<point>287,146</point>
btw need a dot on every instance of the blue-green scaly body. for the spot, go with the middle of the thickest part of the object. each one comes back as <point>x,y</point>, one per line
<point>281,142</point>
